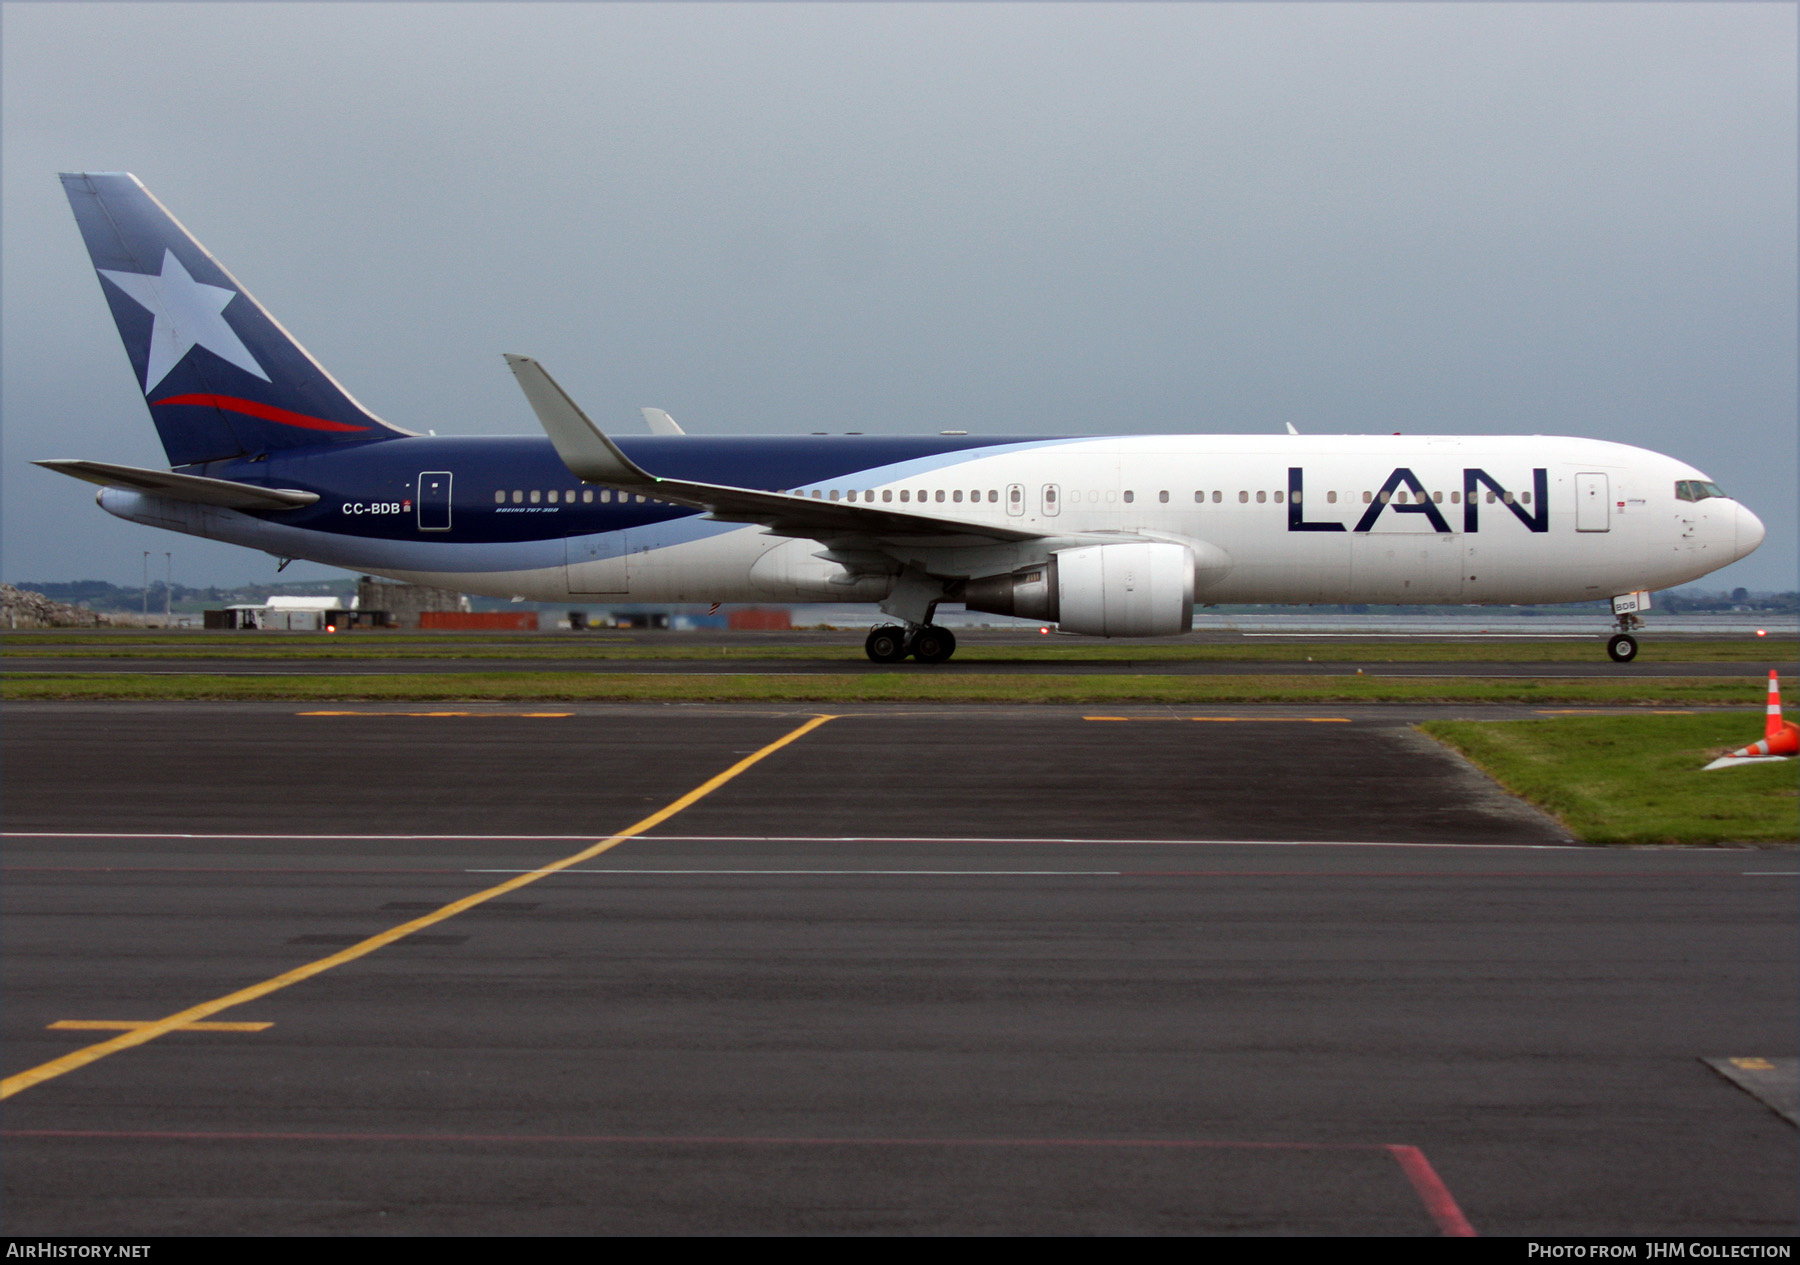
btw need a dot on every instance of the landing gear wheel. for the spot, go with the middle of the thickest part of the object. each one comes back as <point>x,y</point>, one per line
<point>1622,648</point>
<point>886,644</point>
<point>932,644</point>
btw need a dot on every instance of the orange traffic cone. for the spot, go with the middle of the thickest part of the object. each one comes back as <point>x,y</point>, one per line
<point>1780,738</point>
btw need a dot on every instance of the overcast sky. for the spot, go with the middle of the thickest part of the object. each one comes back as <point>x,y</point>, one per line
<point>1007,218</point>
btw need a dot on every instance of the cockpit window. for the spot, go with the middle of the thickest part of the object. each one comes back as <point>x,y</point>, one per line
<point>1696,490</point>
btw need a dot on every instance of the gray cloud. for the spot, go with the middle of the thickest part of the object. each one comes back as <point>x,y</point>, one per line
<point>1010,218</point>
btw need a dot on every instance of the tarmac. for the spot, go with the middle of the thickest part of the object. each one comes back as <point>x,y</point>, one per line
<point>913,970</point>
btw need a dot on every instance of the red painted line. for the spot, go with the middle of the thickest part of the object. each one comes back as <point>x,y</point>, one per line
<point>1430,1188</point>
<point>616,1139</point>
<point>267,412</point>
<point>1438,1200</point>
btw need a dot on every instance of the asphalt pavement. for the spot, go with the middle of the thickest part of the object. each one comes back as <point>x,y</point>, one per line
<point>918,970</point>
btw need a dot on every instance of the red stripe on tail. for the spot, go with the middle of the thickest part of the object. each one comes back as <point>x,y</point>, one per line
<point>267,412</point>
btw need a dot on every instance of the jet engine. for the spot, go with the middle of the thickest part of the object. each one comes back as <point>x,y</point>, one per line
<point>1131,589</point>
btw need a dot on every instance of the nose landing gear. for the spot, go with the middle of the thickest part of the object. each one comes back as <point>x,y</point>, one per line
<point>1623,647</point>
<point>891,643</point>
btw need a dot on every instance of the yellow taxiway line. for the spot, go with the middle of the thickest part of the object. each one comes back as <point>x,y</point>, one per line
<point>1238,720</point>
<point>129,1025</point>
<point>186,1019</point>
<point>475,715</point>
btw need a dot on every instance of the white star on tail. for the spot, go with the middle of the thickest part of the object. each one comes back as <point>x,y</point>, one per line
<point>188,313</point>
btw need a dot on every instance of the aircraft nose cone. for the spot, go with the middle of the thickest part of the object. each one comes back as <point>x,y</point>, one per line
<point>1750,532</point>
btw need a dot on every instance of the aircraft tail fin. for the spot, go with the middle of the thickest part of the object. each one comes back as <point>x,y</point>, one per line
<point>221,377</point>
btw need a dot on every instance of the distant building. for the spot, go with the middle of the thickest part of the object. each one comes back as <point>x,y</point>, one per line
<point>404,603</point>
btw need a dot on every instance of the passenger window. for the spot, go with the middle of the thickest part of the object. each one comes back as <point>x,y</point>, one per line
<point>993,496</point>
<point>1367,498</point>
<point>1278,498</point>
<point>1400,496</point>
<point>1199,498</point>
<point>1130,496</point>
<point>1490,498</point>
<point>957,496</point>
<point>1163,497</point>
<point>1508,498</point>
<point>834,494</point>
<point>536,496</point>
<point>1261,497</point>
<point>553,496</point>
<point>499,498</point>
<point>1243,498</point>
<point>1525,497</point>
<point>1386,496</point>
<point>940,496</point>
<point>1456,498</point>
<point>518,496</point>
<point>1330,498</point>
<point>1437,498</point>
<point>640,499</point>
<point>1217,496</point>
<point>887,494</point>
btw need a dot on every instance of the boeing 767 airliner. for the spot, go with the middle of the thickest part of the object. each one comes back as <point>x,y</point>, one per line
<point>1108,536</point>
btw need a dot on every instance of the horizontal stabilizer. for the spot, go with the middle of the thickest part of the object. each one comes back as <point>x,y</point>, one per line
<point>183,487</point>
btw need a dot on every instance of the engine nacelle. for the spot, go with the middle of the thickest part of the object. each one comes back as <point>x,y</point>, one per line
<point>1131,589</point>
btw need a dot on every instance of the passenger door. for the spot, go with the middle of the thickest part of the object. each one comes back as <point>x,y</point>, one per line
<point>434,500</point>
<point>1593,503</point>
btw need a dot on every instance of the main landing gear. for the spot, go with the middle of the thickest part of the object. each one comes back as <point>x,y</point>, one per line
<point>891,643</point>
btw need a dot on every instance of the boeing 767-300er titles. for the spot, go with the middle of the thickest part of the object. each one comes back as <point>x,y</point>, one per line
<point>1109,536</point>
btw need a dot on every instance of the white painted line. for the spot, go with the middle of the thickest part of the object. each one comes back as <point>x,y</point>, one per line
<point>932,873</point>
<point>120,834</point>
<point>816,839</point>
<point>1772,873</point>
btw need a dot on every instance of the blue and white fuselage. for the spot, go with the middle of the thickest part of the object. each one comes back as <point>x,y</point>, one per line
<point>1115,536</point>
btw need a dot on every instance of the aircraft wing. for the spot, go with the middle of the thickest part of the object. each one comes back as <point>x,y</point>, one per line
<point>592,457</point>
<point>183,487</point>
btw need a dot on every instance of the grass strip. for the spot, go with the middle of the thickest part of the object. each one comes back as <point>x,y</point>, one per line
<point>1774,653</point>
<point>880,687</point>
<point>1637,779</point>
